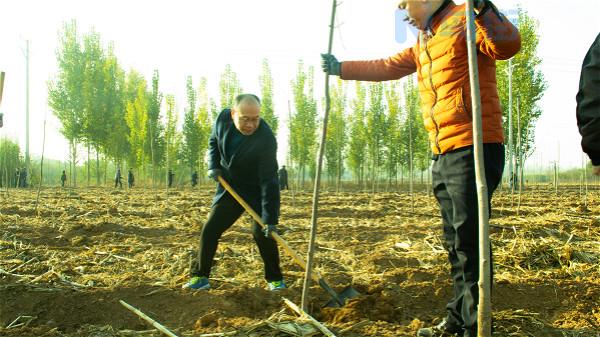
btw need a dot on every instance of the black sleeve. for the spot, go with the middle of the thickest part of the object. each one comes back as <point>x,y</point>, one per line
<point>269,184</point>
<point>588,103</point>
<point>214,155</point>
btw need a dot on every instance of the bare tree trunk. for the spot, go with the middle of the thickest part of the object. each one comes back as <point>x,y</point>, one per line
<point>105,169</point>
<point>339,173</point>
<point>97,167</point>
<point>88,164</point>
<point>315,203</point>
<point>484,310</point>
<point>410,161</point>
<point>37,199</point>
<point>74,162</point>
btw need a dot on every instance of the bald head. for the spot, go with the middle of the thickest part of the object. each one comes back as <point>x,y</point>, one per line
<point>246,113</point>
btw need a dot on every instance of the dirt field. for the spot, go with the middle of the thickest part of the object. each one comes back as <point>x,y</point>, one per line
<point>65,267</point>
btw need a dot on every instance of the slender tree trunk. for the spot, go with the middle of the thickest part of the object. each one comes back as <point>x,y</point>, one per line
<point>97,167</point>
<point>88,164</point>
<point>74,162</point>
<point>105,169</point>
<point>410,160</point>
<point>37,199</point>
<point>339,173</point>
<point>152,155</point>
<point>484,309</point>
<point>315,203</point>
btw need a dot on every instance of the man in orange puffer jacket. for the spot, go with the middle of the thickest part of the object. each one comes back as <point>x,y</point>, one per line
<point>440,60</point>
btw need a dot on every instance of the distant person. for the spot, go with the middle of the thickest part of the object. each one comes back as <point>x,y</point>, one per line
<point>194,178</point>
<point>170,176</point>
<point>130,178</point>
<point>17,178</point>
<point>23,178</point>
<point>243,150</point>
<point>283,178</point>
<point>118,179</point>
<point>63,178</point>
<point>439,58</point>
<point>588,105</point>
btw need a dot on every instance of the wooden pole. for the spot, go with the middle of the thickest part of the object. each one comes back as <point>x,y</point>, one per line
<point>2,75</point>
<point>484,313</point>
<point>152,322</point>
<point>315,205</point>
<point>304,314</point>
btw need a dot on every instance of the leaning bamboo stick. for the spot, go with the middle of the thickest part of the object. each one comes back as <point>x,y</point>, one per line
<point>152,322</point>
<point>303,314</point>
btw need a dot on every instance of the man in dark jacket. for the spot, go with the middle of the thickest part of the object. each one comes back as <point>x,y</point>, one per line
<point>242,150</point>
<point>194,178</point>
<point>283,178</point>
<point>130,179</point>
<point>588,105</point>
<point>170,176</point>
<point>118,178</point>
<point>63,178</point>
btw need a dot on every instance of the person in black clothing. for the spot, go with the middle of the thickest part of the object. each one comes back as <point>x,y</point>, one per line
<point>588,105</point>
<point>130,179</point>
<point>170,177</point>
<point>194,178</point>
<point>23,178</point>
<point>283,178</point>
<point>243,151</point>
<point>118,179</point>
<point>63,178</point>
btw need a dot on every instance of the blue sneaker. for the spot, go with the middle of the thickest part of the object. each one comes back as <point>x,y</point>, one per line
<point>197,283</point>
<point>276,285</point>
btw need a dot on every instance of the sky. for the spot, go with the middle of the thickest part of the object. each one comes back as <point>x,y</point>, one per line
<point>198,38</point>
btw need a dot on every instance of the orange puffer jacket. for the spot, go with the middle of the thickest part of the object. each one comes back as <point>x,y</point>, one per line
<point>440,60</point>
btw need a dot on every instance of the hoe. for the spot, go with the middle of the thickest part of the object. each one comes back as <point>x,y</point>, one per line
<point>337,300</point>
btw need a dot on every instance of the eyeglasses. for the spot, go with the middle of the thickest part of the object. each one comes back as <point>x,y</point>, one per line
<point>248,120</point>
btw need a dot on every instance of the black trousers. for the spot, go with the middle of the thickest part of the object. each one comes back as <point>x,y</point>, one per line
<point>454,188</point>
<point>222,216</point>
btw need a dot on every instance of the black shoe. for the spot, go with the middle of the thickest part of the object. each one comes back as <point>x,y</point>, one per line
<point>441,330</point>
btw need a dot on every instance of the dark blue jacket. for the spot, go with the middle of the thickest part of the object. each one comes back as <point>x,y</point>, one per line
<point>251,170</point>
<point>588,103</point>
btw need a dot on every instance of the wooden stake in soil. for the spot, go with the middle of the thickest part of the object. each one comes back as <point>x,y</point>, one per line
<point>484,307</point>
<point>303,314</point>
<point>315,205</point>
<point>152,322</point>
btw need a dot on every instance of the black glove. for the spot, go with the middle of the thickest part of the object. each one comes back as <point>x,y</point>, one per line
<point>214,174</point>
<point>331,65</point>
<point>269,229</point>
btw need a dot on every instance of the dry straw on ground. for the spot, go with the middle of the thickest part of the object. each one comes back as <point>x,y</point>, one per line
<point>64,268</point>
